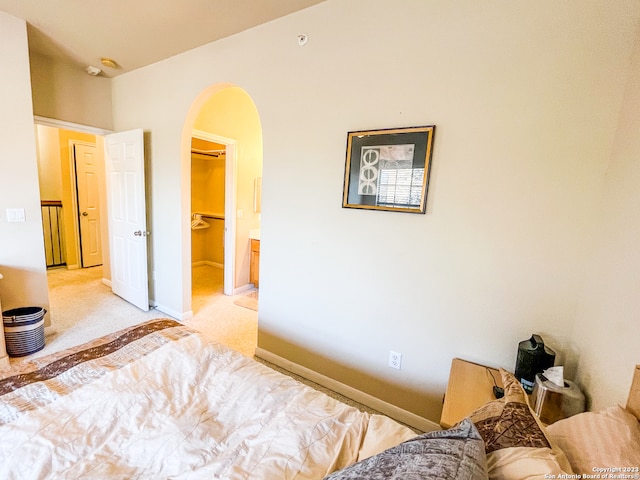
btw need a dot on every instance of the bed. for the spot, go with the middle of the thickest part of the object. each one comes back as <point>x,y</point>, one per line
<point>158,400</point>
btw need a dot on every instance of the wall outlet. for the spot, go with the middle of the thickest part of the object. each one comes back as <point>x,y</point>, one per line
<point>395,360</point>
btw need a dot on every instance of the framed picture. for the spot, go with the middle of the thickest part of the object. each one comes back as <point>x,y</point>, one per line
<point>388,169</point>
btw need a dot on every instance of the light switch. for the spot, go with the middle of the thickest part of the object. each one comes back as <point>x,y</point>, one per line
<point>15,215</point>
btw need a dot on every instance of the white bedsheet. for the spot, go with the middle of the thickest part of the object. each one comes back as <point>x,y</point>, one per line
<point>172,405</point>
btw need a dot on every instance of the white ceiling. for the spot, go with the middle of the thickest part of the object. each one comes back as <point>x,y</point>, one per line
<point>136,33</point>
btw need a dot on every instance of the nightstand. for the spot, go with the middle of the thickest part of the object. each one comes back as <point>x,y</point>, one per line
<point>470,386</point>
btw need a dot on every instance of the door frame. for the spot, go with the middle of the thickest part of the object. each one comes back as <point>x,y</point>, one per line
<point>74,196</point>
<point>52,122</point>
<point>230,175</point>
<point>76,127</point>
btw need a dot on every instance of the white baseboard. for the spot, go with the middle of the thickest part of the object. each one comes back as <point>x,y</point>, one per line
<point>244,288</point>
<point>208,263</point>
<point>359,396</point>
<point>174,313</point>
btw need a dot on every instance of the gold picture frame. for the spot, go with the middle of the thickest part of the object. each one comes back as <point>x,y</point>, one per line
<point>388,169</point>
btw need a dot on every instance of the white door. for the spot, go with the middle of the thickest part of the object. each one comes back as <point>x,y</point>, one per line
<point>87,176</point>
<point>124,164</point>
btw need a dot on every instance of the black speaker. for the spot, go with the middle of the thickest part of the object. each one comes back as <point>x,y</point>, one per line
<point>533,357</point>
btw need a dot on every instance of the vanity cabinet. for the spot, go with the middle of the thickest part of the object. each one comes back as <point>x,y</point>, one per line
<point>254,266</point>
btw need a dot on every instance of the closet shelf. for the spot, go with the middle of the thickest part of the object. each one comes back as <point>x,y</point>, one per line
<point>218,216</point>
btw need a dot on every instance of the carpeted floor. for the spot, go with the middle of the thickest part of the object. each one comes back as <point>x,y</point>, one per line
<point>83,308</point>
<point>249,300</point>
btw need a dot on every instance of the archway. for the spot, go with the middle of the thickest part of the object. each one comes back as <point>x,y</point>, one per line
<point>225,115</point>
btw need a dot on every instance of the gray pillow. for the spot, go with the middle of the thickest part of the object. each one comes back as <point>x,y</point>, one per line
<point>444,454</point>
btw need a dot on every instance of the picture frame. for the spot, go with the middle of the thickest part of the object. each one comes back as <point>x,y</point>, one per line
<point>388,169</point>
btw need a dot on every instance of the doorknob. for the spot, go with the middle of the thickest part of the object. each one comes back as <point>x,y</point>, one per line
<point>85,214</point>
<point>140,233</point>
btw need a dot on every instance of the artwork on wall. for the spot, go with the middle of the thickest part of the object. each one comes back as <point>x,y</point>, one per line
<point>388,169</point>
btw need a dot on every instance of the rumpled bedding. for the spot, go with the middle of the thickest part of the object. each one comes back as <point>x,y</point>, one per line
<point>159,401</point>
<point>457,453</point>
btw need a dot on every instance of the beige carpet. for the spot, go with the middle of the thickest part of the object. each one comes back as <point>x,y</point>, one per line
<point>83,308</point>
<point>217,316</point>
<point>249,300</point>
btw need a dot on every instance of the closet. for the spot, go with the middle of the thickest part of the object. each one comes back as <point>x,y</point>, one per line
<point>207,203</point>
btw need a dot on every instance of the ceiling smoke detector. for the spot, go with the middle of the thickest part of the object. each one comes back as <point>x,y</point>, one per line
<point>91,70</point>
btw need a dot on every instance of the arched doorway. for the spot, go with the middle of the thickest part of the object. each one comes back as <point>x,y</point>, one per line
<point>226,117</point>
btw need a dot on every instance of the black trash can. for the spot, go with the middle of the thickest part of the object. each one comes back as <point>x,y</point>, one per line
<point>24,330</point>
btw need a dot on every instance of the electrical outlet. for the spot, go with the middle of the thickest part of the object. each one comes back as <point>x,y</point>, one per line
<point>395,360</point>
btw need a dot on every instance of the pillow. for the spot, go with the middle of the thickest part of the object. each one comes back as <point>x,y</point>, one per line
<point>515,441</point>
<point>609,438</point>
<point>455,453</point>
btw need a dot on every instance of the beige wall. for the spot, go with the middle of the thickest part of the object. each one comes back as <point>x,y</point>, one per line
<point>65,92</point>
<point>525,97</point>
<point>532,161</point>
<point>49,167</point>
<point>606,329</point>
<point>22,261</point>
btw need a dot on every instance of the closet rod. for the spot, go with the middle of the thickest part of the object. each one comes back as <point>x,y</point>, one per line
<point>209,153</point>
<point>215,216</point>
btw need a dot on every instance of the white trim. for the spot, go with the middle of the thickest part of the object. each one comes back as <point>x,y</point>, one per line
<point>392,411</point>
<point>106,282</point>
<point>244,288</point>
<point>202,263</point>
<point>52,122</point>
<point>229,206</point>
<point>175,314</point>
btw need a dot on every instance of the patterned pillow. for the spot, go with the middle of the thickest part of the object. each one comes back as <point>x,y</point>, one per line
<point>516,443</point>
<point>455,453</point>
